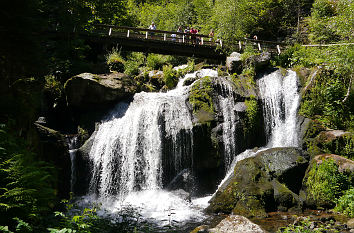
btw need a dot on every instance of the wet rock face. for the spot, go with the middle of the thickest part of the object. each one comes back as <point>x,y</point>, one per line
<point>236,224</point>
<point>269,181</point>
<point>90,90</point>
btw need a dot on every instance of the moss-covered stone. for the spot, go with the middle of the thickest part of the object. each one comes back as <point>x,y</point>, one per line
<point>201,99</point>
<point>244,83</point>
<point>318,141</point>
<point>268,181</point>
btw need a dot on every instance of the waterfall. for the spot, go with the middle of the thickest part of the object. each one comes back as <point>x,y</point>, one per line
<point>227,107</point>
<point>129,146</point>
<point>142,145</point>
<point>280,99</point>
<point>127,150</point>
<point>139,148</point>
<point>73,144</point>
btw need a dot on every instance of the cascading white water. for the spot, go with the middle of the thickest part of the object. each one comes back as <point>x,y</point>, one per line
<point>128,147</point>
<point>280,103</point>
<point>127,152</point>
<point>227,105</point>
<point>281,100</point>
<point>73,145</point>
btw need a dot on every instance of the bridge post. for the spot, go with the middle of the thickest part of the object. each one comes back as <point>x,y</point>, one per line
<point>183,39</point>
<point>110,31</point>
<point>240,45</point>
<point>278,48</point>
<point>164,36</point>
<point>202,42</point>
<point>259,46</point>
<point>220,42</point>
<point>146,35</point>
<point>128,33</point>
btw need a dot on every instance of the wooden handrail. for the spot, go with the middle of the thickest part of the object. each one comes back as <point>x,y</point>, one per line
<point>149,30</point>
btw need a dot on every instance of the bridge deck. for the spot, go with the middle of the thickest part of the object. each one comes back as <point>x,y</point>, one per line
<point>158,41</point>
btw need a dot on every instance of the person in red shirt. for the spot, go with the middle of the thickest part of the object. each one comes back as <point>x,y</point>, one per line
<point>193,31</point>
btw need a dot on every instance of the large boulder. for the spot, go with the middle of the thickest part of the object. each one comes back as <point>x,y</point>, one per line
<point>259,62</point>
<point>269,181</point>
<point>90,90</point>
<point>52,146</point>
<point>236,224</point>
<point>331,142</point>
<point>234,63</point>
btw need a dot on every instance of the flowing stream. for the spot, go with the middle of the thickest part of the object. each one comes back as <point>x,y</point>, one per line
<point>141,146</point>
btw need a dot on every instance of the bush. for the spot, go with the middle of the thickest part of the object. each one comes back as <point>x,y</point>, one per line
<point>345,203</point>
<point>133,63</point>
<point>325,183</point>
<point>170,76</point>
<point>115,61</point>
<point>26,184</point>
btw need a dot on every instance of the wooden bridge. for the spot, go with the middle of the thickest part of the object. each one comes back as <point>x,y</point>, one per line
<point>166,42</point>
<point>157,41</point>
<point>171,43</point>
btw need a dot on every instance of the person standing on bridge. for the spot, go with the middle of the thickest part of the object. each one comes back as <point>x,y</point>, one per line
<point>179,36</point>
<point>152,27</point>
<point>193,36</point>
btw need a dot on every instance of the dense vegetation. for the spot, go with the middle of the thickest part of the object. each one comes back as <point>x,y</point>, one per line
<point>35,63</point>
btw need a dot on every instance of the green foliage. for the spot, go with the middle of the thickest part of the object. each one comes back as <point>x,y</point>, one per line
<point>306,226</point>
<point>345,203</point>
<point>115,61</point>
<point>133,62</point>
<point>157,61</point>
<point>26,184</point>
<point>325,183</point>
<point>330,21</point>
<point>170,76</point>
<point>53,86</point>
<point>252,115</point>
<point>248,52</point>
<point>324,101</point>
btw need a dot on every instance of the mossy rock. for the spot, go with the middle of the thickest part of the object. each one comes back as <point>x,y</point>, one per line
<point>201,99</point>
<point>244,85</point>
<point>269,181</point>
<point>332,142</point>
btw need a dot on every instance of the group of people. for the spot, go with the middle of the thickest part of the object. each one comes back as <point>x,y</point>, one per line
<point>191,31</point>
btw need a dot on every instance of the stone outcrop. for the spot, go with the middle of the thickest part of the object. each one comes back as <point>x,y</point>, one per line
<point>234,63</point>
<point>329,141</point>
<point>259,62</point>
<point>90,90</point>
<point>52,146</point>
<point>236,224</point>
<point>269,181</point>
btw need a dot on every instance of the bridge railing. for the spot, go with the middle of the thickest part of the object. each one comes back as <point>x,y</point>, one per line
<point>262,45</point>
<point>160,35</point>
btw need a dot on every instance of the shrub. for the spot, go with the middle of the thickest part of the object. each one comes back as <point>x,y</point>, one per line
<point>170,76</point>
<point>115,60</point>
<point>26,184</point>
<point>345,203</point>
<point>325,183</point>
